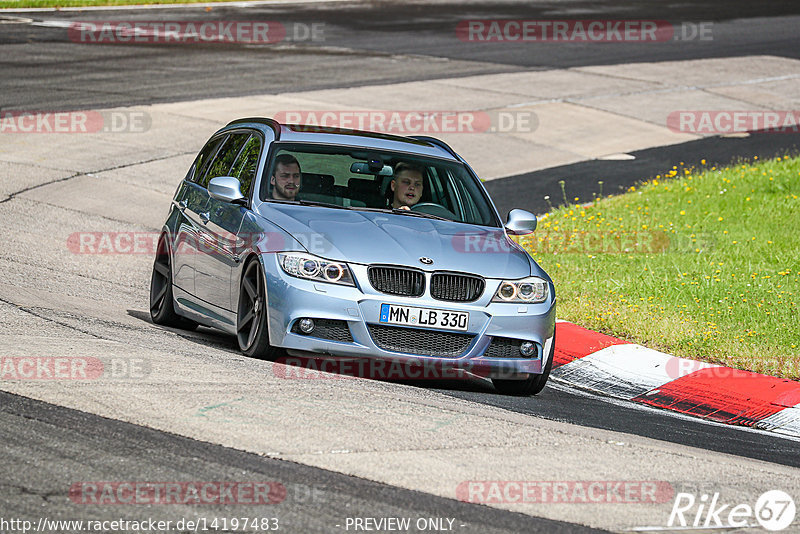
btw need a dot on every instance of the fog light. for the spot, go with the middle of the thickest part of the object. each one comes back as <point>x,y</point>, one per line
<point>526,348</point>
<point>306,325</point>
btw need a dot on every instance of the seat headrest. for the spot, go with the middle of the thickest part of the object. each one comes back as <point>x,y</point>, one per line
<point>313,182</point>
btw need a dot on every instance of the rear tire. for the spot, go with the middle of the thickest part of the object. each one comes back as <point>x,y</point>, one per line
<point>162,302</point>
<point>532,385</point>
<point>252,332</point>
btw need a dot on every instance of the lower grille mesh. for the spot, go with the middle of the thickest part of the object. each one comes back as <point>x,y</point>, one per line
<point>328,329</point>
<point>504,347</point>
<point>421,342</point>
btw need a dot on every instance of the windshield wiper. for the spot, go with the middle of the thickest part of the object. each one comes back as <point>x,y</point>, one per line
<point>299,202</point>
<point>319,203</point>
<point>418,214</point>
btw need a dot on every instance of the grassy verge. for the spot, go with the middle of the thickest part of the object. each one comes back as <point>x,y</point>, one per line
<point>20,4</point>
<point>703,264</point>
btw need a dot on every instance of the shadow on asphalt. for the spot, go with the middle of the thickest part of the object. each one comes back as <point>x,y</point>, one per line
<point>307,367</point>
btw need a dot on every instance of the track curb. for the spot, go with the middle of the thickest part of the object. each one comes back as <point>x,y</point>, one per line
<point>624,370</point>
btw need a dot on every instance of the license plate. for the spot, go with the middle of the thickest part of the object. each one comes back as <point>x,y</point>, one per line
<point>426,317</point>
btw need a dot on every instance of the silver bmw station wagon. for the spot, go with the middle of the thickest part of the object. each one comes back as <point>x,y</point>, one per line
<point>335,243</point>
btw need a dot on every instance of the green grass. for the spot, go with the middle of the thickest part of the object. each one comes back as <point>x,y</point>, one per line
<point>19,4</point>
<point>703,264</point>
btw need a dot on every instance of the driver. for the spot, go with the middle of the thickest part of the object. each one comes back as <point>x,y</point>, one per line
<point>286,178</point>
<point>406,185</point>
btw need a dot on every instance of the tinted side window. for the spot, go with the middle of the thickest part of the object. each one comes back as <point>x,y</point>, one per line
<point>245,167</point>
<point>467,192</point>
<point>438,187</point>
<point>222,164</point>
<point>203,158</point>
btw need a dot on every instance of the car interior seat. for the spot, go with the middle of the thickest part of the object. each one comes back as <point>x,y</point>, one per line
<point>319,188</point>
<point>365,193</point>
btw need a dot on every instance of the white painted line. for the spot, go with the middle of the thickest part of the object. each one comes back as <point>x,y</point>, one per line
<point>15,20</point>
<point>254,3</point>
<point>621,156</point>
<point>53,23</point>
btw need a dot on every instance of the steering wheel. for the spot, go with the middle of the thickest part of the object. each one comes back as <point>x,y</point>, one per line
<point>432,208</point>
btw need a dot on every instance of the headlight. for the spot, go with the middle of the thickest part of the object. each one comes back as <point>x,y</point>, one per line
<point>529,290</point>
<point>314,268</point>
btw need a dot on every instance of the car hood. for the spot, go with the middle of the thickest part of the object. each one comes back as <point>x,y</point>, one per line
<point>368,237</point>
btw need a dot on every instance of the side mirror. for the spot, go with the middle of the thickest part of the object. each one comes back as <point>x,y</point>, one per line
<point>226,189</point>
<point>520,222</point>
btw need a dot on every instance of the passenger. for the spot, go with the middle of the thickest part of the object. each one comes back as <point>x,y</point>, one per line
<point>286,178</point>
<point>406,185</point>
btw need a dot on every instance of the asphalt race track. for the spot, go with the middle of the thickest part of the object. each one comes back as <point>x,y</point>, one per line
<point>188,407</point>
<point>114,450</point>
<point>364,43</point>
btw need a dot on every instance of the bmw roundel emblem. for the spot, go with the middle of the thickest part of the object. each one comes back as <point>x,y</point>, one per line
<point>426,261</point>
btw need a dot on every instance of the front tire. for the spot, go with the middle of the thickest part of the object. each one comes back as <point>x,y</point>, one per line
<point>162,307</point>
<point>251,318</point>
<point>532,385</point>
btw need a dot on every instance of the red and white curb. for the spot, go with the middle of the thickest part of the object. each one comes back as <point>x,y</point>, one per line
<point>627,371</point>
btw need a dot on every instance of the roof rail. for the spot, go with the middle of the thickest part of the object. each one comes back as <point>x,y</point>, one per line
<point>437,142</point>
<point>272,123</point>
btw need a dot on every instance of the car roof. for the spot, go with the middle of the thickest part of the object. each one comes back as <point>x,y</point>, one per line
<point>301,133</point>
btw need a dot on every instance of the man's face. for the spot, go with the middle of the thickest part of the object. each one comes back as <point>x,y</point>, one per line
<point>407,187</point>
<point>285,181</point>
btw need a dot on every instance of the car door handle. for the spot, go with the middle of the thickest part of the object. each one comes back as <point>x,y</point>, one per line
<point>182,205</point>
<point>205,217</point>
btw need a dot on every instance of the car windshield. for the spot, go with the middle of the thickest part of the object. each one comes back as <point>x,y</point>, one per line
<point>364,179</point>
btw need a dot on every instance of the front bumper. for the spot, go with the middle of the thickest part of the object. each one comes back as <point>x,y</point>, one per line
<point>353,330</point>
